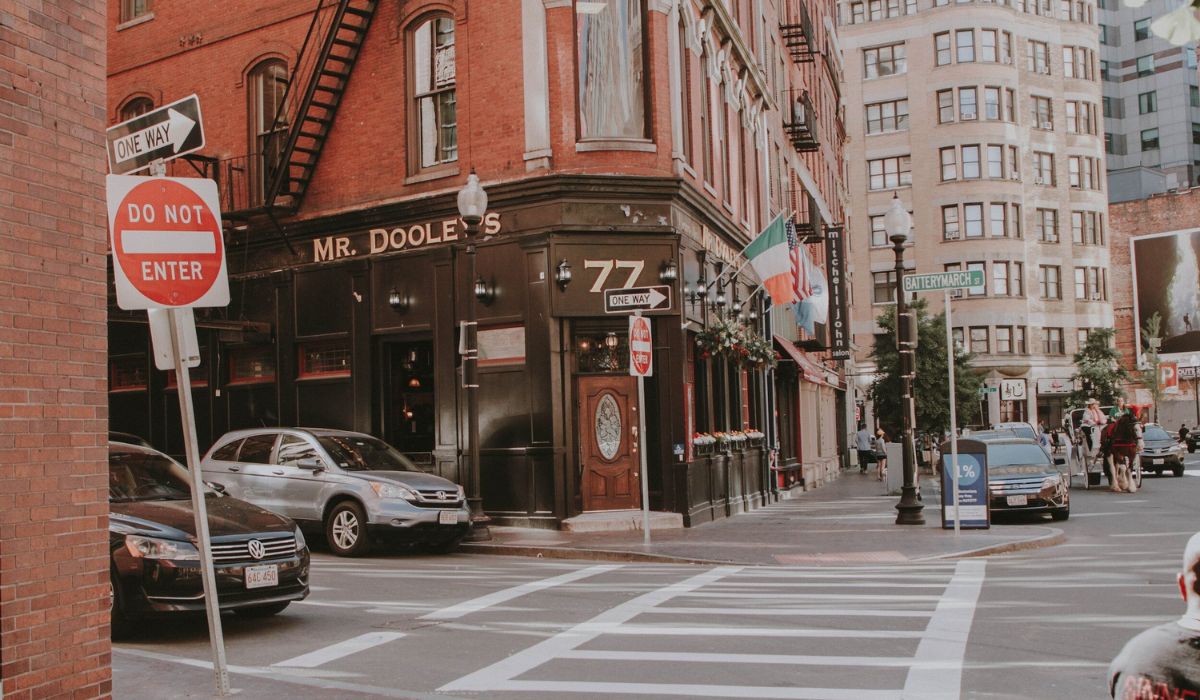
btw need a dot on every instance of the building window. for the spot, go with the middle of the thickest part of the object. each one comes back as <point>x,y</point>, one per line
<point>995,161</point>
<point>435,104</point>
<point>1147,102</point>
<point>1047,223</point>
<point>723,142</point>
<point>1141,29</point>
<point>941,45</point>
<point>1043,113</point>
<point>973,220</point>
<point>949,157</point>
<point>267,84</point>
<point>879,234</point>
<point>956,336</point>
<point>1043,168</point>
<point>979,340</point>
<point>964,46</point>
<point>950,230</point>
<point>981,290</point>
<point>1104,72</point>
<point>706,135</point>
<point>325,359</point>
<point>1104,34</point>
<point>987,45</point>
<point>132,9</point>
<point>945,100</point>
<point>991,103</point>
<point>1050,282</point>
<point>884,286</point>
<point>1149,139</point>
<point>1037,54</point>
<point>888,173</point>
<point>884,60</point>
<point>967,103</point>
<point>1196,133</point>
<point>1145,65</point>
<point>685,92</point>
<point>136,108</point>
<point>1019,340</point>
<point>1081,337</point>
<point>1004,344</point>
<point>1010,105</point>
<point>1194,95</point>
<point>998,219</point>
<point>611,68</point>
<point>970,162</point>
<point>1087,228</point>
<point>128,373</point>
<point>887,116</point>
<point>253,365</point>
<point>1052,341</point>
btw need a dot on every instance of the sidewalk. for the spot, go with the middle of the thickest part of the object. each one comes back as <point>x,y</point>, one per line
<point>849,521</point>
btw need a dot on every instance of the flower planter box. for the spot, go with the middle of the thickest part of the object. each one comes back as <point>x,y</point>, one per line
<point>703,449</point>
<point>755,442</point>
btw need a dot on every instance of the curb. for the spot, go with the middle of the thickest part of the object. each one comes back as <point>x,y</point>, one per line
<point>589,554</point>
<point>1050,539</point>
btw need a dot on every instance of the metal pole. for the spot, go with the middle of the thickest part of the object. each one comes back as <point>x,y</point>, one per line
<point>1196,390</point>
<point>183,383</point>
<point>953,414</point>
<point>909,508</point>
<point>641,381</point>
<point>478,531</point>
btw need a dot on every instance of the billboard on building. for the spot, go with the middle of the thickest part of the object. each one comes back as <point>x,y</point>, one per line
<point>1166,280</point>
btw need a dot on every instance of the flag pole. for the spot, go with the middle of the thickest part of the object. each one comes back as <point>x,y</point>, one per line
<point>736,272</point>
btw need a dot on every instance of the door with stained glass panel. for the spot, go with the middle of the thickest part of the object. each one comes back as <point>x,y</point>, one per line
<point>607,442</point>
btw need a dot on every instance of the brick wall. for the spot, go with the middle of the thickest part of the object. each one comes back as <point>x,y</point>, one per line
<point>53,345</point>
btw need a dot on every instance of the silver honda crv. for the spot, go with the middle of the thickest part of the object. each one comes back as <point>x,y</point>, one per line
<point>355,488</point>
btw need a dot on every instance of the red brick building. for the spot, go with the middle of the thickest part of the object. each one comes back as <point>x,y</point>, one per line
<point>54,590</point>
<point>1168,217</point>
<point>622,143</point>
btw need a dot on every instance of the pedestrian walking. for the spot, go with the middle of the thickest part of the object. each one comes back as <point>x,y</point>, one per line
<point>866,451</point>
<point>880,454</point>
<point>1162,662</point>
<point>1183,432</point>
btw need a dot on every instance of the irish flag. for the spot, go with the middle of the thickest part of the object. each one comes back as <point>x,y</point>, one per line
<point>768,254</point>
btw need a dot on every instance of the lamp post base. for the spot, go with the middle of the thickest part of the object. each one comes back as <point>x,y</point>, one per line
<point>478,532</point>
<point>909,508</point>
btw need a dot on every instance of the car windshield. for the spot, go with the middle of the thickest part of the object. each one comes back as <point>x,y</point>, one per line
<point>146,476</point>
<point>1153,432</point>
<point>1012,454</point>
<point>362,453</point>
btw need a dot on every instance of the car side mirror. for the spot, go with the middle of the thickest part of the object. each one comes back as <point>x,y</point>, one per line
<point>311,463</point>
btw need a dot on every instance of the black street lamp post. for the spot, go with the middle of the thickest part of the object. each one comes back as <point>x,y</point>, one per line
<point>472,204</point>
<point>897,222</point>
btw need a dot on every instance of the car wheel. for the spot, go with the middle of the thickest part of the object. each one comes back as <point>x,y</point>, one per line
<point>120,624</point>
<point>346,530</point>
<point>1177,471</point>
<point>1060,513</point>
<point>263,610</point>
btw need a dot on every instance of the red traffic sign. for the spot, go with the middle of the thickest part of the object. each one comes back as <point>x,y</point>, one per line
<point>167,246</point>
<point>641,347</point>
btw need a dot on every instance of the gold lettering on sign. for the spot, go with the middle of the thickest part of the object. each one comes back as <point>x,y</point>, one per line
<point>382,240</point>
<point>606,267</point>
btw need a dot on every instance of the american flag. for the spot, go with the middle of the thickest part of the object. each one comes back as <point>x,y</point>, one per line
<point>801,285</point>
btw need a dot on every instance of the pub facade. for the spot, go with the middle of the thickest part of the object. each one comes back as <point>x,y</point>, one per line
<point>340,134</point>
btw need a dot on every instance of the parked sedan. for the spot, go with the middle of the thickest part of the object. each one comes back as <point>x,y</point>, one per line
<point>1161,451</point>
<point>355,488</point>
<point>260,558</point>
<point>1023,478</point>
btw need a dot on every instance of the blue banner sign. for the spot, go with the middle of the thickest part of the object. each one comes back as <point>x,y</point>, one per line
<point>972,491</point>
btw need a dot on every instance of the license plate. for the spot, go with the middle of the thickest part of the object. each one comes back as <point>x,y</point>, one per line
<point>262,576</point>
<point>1018,500</point>
<point>448,517</point>
<point>1157,461</point>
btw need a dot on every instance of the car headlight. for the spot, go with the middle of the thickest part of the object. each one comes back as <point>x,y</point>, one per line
<point>1051,482</point>
<point>300,543</point>
<point>392,491</point>
<point>141,547</point>
<point>462,494</point>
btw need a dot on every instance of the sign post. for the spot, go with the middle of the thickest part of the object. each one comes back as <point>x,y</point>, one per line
<point>946,281</point>
<point>169,254</point>
<point>641,365</point>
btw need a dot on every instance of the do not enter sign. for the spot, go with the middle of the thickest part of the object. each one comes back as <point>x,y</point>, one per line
<point>641,348</point>
<point>166,241</point>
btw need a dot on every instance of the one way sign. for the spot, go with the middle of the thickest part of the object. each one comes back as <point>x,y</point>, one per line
<point>167,132</point>
<point>621,301</point>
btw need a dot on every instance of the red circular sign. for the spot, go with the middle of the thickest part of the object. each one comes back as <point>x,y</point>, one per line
<point>640,347</point>
<point>168,242</point>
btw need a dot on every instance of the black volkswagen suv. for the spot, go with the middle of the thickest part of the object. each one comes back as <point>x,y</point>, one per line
<point>260,558</point>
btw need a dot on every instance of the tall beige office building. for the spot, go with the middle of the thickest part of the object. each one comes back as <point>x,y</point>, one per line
<point>984,119</point>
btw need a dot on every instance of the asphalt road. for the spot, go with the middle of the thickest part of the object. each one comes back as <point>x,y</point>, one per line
<point>1038,624</point>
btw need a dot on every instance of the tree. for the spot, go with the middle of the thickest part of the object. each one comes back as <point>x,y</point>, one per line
<point>1098,371</point>
<point>931,386</point>
<point>1152,340</point>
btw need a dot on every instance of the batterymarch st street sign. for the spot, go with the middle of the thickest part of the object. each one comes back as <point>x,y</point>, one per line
<point>937,281</point>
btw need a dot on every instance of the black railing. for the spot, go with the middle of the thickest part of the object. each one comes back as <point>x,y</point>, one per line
<point>796,28</point>
<point>805,215</point>
<point>800,121</point>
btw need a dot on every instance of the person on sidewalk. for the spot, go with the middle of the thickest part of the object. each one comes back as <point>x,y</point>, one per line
<point>880,454</point>
<point>1183,432</point>
<point>862,443</point>
<point>1164,661</point>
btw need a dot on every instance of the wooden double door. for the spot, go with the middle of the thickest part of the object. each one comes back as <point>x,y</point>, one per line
<point>608,442</point>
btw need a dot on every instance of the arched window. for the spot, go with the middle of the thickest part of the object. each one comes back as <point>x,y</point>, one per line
<point>611,68</point>
<point>267,86</point>
<point>433,79</point>
<point>136,108</point>
<point>706,131</point>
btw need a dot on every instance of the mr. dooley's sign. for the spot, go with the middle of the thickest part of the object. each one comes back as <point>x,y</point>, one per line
<point>386,240</point>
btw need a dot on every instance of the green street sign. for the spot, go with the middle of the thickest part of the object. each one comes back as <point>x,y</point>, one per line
<point>988,389</point>
<point>937,281</point>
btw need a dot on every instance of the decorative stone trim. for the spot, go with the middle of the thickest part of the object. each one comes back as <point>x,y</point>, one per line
<point>643,145</point>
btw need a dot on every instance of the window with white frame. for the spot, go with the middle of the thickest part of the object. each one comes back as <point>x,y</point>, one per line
<point>435,104</point>
<point>1043,168</point>
<point>1050,282</point>
<point>881,61</point>
<point>887,116</point>
<point>889,173</point>
<point>611,60</point>
<point>1047,225</point>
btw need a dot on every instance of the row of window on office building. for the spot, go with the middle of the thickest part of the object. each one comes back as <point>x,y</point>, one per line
<point>859,12</point>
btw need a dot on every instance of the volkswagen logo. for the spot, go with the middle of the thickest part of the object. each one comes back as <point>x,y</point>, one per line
<point>257,551</point>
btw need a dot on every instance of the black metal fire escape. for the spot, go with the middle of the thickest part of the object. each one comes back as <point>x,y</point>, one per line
<point>326,61</point>
<point>800,121</point>
<point>797,30</point>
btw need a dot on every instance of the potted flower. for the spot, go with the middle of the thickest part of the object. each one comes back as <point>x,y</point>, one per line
<point>754,437</point>
<point>703,443</point>
<point>737,440</point>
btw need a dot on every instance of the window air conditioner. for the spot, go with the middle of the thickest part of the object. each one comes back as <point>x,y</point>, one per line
<point>1047,125</point>
<point>1045,70</point>
<point>952,235</point>
<point>1097,297</point>
<point>968,114</point>
<point>1038,181</point>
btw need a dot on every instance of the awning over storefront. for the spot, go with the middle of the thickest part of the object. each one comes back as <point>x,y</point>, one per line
<point>811,371</point>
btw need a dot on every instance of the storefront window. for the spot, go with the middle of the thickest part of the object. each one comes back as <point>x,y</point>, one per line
<point>252,365</point>
<point>602,352</point>
<point>329,359</point>
<point>128,373</point>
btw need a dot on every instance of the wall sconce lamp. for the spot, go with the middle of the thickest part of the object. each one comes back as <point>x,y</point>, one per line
<point>611,341</point>
<point>397,301</point>
<point>562,274</point>
<point>720,300</point>
<point>736,310</point>
<point>669,272</point>
<point>753,314</point>
<point>484,292</point>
